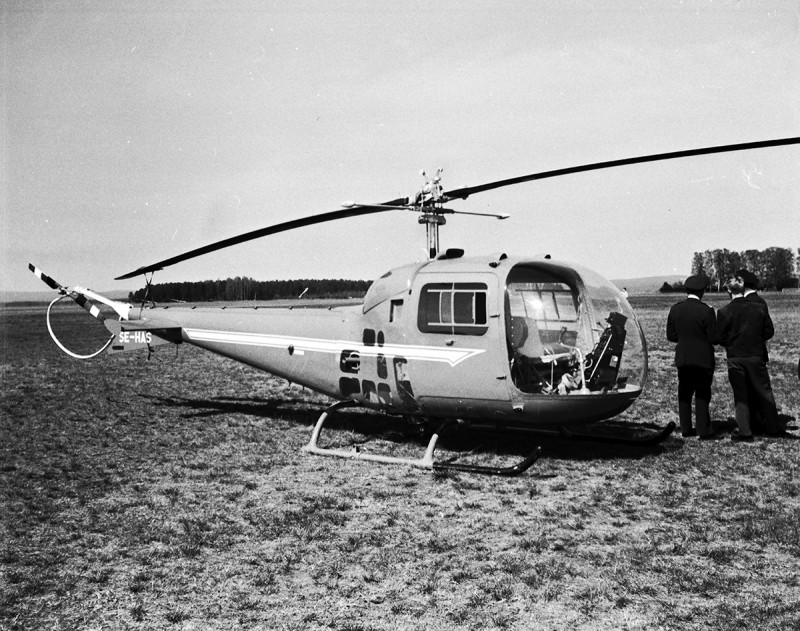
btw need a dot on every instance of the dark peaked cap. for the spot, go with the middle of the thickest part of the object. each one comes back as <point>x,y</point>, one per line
<point>698,282</point>
<point>750,279</point>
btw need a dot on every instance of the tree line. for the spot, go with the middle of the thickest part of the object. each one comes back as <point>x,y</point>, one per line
<point>776,268</point>
<point>244,288</point>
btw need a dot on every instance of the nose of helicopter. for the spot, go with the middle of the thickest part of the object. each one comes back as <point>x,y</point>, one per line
<point>571,331</point>
<point>573,409</point>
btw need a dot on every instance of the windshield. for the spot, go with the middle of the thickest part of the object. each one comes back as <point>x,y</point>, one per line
<point>569,330</point>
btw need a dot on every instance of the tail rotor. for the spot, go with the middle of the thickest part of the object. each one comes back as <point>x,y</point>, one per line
<point>80,298</point>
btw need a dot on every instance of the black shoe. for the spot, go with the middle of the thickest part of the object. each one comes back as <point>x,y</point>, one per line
<point>780,434</point>
<point>689,434</point>
<point>710,437</point>
<point>739,438</point>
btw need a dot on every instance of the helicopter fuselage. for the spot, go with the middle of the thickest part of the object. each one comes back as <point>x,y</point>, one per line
<point>519,341</point>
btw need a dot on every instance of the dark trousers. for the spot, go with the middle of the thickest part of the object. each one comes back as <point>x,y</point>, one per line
<point>756,417</point>
<point>694,381</point>
<point>752,389</point>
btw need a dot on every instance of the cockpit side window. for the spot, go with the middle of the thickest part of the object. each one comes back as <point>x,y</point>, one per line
<point>453,308</point>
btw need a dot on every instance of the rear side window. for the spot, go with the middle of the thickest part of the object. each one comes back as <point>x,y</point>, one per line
<point>453,308</point>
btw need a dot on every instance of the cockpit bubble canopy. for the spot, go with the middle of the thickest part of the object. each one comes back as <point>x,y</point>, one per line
<point>559,315</point>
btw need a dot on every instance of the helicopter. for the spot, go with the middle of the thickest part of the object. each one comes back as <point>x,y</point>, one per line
<point>515,342</point>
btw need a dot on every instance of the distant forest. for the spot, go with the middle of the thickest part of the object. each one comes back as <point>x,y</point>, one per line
<point>776,268</point>
<point>243,288</point>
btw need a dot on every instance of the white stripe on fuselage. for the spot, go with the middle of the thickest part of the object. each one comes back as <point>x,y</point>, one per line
<point>301,345</point>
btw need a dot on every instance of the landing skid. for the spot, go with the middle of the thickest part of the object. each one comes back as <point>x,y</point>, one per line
<point>653,439</point>
<point>426,462</point>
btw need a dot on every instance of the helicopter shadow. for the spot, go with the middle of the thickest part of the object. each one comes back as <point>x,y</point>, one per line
<point>357,427</point>
<point>198,408</point>
<point>593,442</point>
<point>298,411</point>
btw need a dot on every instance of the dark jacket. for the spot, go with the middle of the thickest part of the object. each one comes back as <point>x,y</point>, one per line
<point>692,325</point>
<point>743,327</point>
<point>754,297</point>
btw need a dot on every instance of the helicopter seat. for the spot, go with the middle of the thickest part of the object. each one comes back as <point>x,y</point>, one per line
<point>531,342</point>
<point>525,377</point>
<point>539,357</point>
<point>525,350</point>
<point>517,332</point>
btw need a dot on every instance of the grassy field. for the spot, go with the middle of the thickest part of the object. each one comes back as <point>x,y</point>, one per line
<point>172,494</point>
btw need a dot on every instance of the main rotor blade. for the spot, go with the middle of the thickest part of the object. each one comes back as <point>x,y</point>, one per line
<point>460,193</point>
<point>263,232</point>
<point>463,193</point>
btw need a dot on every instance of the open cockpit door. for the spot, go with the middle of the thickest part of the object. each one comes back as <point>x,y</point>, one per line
<point>569,331</point>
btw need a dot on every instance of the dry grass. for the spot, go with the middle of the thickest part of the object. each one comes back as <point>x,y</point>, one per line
<point>171,494</point>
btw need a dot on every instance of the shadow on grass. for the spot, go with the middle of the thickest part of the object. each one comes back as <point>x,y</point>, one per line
<point>583,448</point>
<point>787,422</point>
<point>351,427</point>
<point>291,409</point>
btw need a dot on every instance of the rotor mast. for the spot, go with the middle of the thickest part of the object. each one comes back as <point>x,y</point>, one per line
<point>432,220</point>
<point>430,200</point>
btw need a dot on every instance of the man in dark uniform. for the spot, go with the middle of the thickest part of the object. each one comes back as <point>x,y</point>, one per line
<point>751,283</point>
<point>743,326</point>
<point>691,323</point>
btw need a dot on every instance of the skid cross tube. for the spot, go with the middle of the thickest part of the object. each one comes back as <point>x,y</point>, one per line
<point>426,462</point>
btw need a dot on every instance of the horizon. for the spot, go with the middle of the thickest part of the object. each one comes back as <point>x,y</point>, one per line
<point>44,295</point>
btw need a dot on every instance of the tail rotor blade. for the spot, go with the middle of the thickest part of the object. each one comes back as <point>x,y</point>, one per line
<point>78,297</point>
<point>46,279</point>
<point>88,305</point>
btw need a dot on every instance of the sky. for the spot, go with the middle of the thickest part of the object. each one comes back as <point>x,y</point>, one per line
<point>135,131</point>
